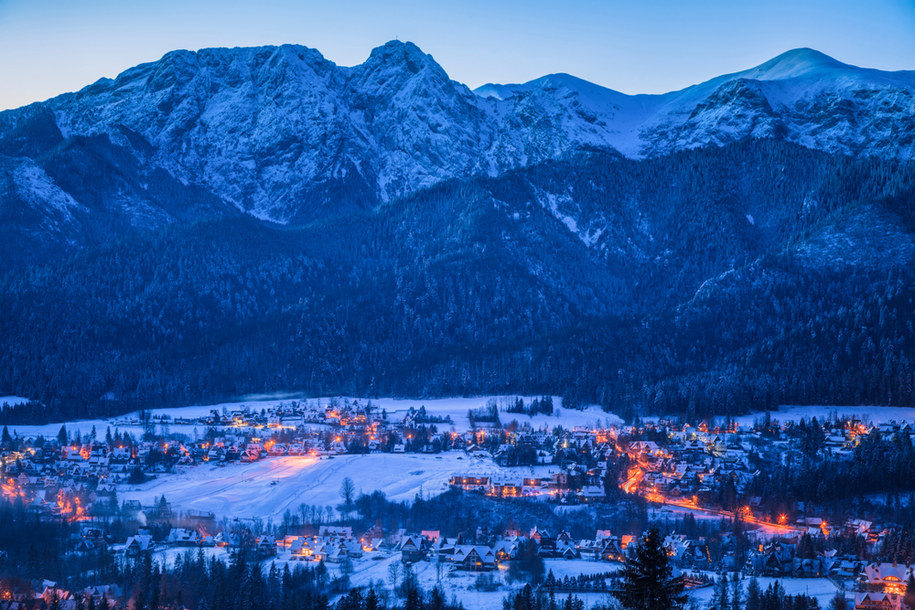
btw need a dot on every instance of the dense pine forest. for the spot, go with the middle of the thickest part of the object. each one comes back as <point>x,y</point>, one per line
<point>716,280</point>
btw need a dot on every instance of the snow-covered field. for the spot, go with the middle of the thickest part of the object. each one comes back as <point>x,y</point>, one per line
<point>821,588</point>
<point>269,487</point>
<point>374,568</point>
<point>396,408</point>
<point>455,408</point>
<point>875,415</point>
<point>12,401</point>
<point>168,556</point>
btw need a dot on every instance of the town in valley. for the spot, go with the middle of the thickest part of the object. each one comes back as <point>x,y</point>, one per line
<point>510,492</point>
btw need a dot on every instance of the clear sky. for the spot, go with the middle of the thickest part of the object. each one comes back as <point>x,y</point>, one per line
<point>638,46</point>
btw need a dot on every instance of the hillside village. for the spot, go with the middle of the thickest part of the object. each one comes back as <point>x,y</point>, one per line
<point>708,477</point>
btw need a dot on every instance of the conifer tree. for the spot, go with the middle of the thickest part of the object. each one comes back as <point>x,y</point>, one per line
<point>736,592</point>
<point>754,595</point>
<point>719,600</point>
<point>648,582</point>
<point>909,597</point>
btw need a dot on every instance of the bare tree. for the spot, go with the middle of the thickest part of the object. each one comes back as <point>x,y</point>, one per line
<point>393,574</point>
<point>347,492</point>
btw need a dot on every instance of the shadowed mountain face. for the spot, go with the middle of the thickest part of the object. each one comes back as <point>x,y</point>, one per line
<point>285,135</point>
<point>237,220</point>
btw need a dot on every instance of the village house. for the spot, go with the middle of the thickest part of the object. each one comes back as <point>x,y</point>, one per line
<point>877,601</point>
<point>137,545</point>
<point>413,549</point>
<point>887,577</point>
<point>476,558</point>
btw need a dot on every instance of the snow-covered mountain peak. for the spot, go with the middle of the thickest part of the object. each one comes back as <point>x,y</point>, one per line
<point>392,65</point>
<point>560,82</point>
<point>400,51</point>
<point>283,133</point>
<point>796,63</point>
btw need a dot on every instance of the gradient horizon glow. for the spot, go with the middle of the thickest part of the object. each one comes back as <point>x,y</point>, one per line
<point>650,46</point>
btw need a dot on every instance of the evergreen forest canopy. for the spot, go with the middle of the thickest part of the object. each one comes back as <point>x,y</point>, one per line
<point>715,280</point>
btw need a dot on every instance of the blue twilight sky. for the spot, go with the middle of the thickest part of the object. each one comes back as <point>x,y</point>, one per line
<point>638,46</point>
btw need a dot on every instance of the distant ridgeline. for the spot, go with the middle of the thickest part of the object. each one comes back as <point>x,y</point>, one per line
<point>719,276</point>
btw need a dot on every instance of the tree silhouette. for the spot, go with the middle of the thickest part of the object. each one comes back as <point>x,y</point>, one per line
<point>648,582</point>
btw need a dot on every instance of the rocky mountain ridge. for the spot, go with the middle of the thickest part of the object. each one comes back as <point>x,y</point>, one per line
<point>285,135</point>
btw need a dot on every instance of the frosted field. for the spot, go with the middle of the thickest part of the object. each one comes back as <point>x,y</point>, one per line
<point>12,400</point>
<point>820,588</point>
<point>455,408</point>
<point>396,408</point>
<point>248,490</point>
<point>875,415</point>
<point>373,568</point>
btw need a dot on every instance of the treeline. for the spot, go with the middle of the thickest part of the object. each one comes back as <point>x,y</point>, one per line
<point>35,550</point>
<point>715,284</point>
<point>537,406</point>
<point>880,464</point>
<point>528,599</point>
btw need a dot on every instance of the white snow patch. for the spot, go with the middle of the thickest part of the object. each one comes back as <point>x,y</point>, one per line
<point>12,401</point>
<point>874,415</point>
<point>396,408</point>
<point>269,487</point>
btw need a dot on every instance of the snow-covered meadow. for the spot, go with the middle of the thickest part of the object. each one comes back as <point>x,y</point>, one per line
<point>455,408</point>
<point>374,569</point>
<point>12,401</point>
<point>868,414</point>
<point>269,487</point>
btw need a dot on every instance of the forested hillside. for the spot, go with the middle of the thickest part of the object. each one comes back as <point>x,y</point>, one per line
<point>717,279</point>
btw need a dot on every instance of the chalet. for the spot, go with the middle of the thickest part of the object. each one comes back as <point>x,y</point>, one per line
<point>889,577</point>
<point>610,549</point>
<point>508,548</point>
<point>506,488</point>
<point>413,549</point>
<point>566,550</point>
<point>98,592</point>
<point>590,493</point>
<point>266,546</point>
<point>371,545</point>
<point>63,599</point>
<point>877,601</point>
<point>338,551</point>
<point>183,537</point>
<point>444,547</point>
<point>137,545</point>
<point>469,482</point>
<point>308,548</point>
<point>474,558</point>
<point>859,527</point>
<point>334,531</point>
<point>589,549</point>
<point>227,539</point>
<point>775,559</point>
<point>544,540</point>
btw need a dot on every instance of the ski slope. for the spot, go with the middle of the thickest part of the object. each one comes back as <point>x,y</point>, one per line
<point>269,487</point>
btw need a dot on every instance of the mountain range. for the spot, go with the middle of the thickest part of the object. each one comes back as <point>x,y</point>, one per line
<point>233,220</point>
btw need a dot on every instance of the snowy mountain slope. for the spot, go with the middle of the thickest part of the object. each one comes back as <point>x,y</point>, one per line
<point>801,95</point>
<point>285,135</point>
